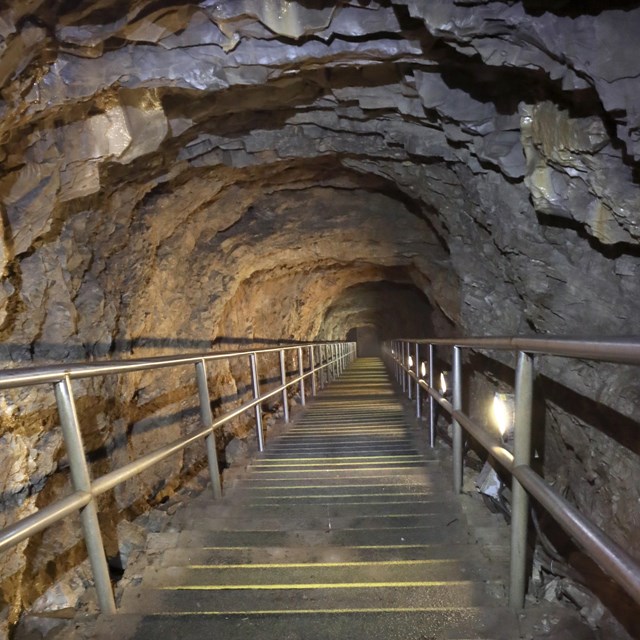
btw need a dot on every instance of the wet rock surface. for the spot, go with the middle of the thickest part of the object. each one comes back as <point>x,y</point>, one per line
<point>181,177</point>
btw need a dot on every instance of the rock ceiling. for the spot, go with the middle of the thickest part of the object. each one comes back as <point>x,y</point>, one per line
<point>158,156</point>
<point>174,173</point>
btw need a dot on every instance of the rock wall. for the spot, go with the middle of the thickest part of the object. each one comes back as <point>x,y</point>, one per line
<point>179,174</point>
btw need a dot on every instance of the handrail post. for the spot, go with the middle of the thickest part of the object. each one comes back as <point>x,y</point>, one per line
<point>325,370</point>
<point>403,359</point>
<point>312,364</point>
<point>520,498</point>
<point>255,383</point>
<point>394,358</point>
<point>301,373</point>
<point>82,482</point>
<point>207,420</point>
<point>432,402</point>
<point>418,372</point>
<point>334,370</point>
<point>409,380</point>
<point>457,429</point>
<point>283,382</point>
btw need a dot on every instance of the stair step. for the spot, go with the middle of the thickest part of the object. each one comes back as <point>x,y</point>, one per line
<point>338,572</point>
<point>295,537</point>
<point>255,599</point>
<point>360,509</point>
<point>178,556</point>
<point>435,624</point>
<point>326,523</point>
<point>343,528</point>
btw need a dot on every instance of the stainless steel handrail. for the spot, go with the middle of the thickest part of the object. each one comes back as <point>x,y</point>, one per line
<point>29,376</point>
<point>607,553</point>
<point>326,361</point>
<point>618,350</point>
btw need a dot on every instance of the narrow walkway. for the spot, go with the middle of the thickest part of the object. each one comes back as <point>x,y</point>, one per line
<point>345,528</point>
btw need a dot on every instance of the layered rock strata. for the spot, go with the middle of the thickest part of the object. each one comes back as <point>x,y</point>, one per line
<point>175,175</point>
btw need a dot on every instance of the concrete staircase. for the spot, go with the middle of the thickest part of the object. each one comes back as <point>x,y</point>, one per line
<point>345,528</point>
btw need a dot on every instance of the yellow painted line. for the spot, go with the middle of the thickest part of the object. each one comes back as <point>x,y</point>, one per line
<point>328,464</point>
<point>346,495</point>
<point>359,477</point>
<point>317,565</point>
<point>341,504</point>
<point>384,457</point>
<point>272,612</point>
<point>373,431</point>
<point>335,486</point>
<point>277,472</point>
<point>312,585</point>
<point>341,547</point>
<point>287,462</point>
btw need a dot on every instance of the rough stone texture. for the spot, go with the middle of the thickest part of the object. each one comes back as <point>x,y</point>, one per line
<point>221,173</point>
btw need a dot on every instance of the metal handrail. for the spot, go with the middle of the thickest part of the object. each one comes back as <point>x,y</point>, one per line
<point>326,361</point>
<point>608,554</point>
<point>618,350</point>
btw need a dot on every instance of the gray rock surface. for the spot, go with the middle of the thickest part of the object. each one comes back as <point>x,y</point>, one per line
<point>210,173</point>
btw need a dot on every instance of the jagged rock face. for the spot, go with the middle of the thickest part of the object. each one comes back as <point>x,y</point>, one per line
<point>175,174</point>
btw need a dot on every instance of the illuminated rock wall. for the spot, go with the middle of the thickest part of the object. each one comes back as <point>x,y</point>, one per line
<point>179,175</point>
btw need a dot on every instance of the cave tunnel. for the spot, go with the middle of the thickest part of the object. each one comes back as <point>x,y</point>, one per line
<point>180,175</point>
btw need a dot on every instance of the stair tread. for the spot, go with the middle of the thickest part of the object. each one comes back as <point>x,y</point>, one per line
<point>436,624</point>
<point>241,555</point>
<point>283,597</point>
<point>344,528</point>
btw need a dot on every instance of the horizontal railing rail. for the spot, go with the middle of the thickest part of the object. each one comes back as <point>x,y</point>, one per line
<point>326,360</point>
<point>412,370</point>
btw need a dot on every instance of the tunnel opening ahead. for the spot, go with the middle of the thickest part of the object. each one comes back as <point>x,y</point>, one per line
<point>367,341</point>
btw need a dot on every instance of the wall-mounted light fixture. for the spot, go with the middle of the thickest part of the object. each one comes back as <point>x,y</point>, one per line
<point>444,382</point>
<point>423,369</point>
<point>410,362</point>
<point>502,413</point>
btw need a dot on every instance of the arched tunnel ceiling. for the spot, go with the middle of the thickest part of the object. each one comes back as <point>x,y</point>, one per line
<point>164,161</point>
<point>174,173</point>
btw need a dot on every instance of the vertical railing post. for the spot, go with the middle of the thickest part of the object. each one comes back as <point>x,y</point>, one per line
<point>409,380</point>
<point>432,402</point>
<point>457,429</point>
<point>283,381</point>
<point>82,482</point>
<point>255,382</point>
<point>323,360</point>
<point>334,370</point>
<point>207,420</point>
<point>403,360</point>
<point>519,496</point>
<point>301,373</point>
<point>398,358</point>
<point>312,364</point>
<point>418,372</point>
<point>325,370</point>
